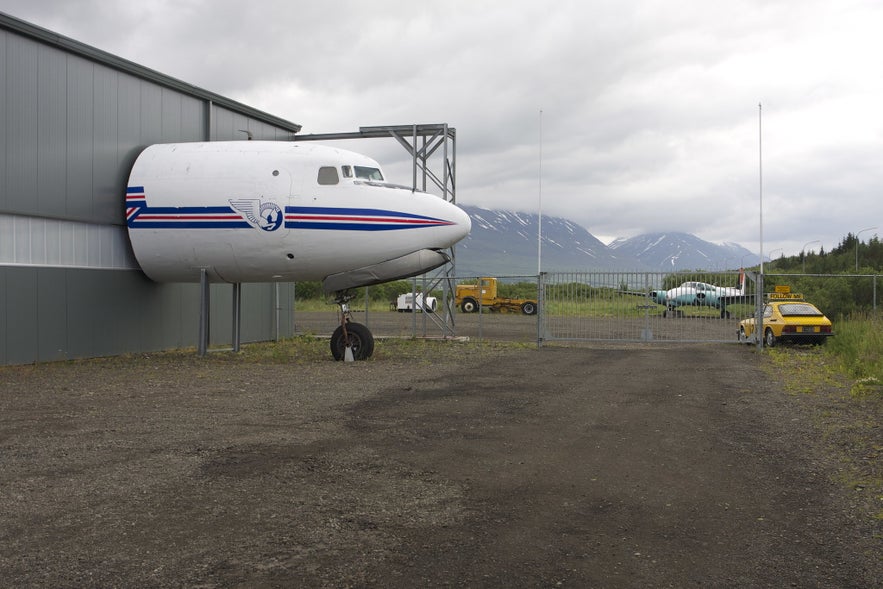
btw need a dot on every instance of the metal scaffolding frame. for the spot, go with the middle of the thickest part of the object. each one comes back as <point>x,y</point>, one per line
<point>422,142</point>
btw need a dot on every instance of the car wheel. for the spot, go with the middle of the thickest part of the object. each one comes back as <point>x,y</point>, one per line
<point>529,308</point>
<point>469,306</point>
<point>769,338</point>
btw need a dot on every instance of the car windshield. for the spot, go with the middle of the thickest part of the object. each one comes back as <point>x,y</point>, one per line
<point>803,309</point>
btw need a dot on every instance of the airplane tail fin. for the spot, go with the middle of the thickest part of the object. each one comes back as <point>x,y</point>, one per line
<point>742,280</point>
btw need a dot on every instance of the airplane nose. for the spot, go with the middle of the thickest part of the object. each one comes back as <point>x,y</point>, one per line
<point>462,223</point>
<point>455,225</point>
<point>448,222</point>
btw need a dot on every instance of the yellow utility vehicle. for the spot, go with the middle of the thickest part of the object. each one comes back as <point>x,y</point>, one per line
<point>473,297</point>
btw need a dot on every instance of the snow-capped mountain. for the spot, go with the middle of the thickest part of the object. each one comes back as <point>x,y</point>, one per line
<point>681,251</point>
<point>505,243</point>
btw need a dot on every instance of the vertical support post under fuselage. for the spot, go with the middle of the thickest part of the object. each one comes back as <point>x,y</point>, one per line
<point>203,338</point>
<point>237,315</point>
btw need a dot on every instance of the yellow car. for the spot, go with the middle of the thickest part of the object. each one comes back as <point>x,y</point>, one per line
<point>789,318</point>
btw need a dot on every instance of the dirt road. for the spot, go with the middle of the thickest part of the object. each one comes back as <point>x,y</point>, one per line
<point>680,466</point>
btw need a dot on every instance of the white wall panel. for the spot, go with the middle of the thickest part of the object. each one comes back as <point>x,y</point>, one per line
<point>34,241</point>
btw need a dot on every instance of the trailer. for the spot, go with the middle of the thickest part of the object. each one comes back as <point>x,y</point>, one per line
<point>408,303</point>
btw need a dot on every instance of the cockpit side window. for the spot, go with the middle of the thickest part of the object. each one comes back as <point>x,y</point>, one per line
<point>368,173</point>
<point>347,171</point>
<point>328,175</point>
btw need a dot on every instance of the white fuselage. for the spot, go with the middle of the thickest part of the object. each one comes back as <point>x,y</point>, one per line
<point>262,211</point>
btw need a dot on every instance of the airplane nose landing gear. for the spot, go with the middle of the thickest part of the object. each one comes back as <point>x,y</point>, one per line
<point>350,341</point>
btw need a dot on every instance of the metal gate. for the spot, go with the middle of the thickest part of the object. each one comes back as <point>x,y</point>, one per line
<point>644,306</point>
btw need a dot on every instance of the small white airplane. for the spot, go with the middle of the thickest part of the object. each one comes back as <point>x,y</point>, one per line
<point>702,294</point>
<point>271,211</point>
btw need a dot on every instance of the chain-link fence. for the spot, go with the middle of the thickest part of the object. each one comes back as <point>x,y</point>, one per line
<point>594,306</point>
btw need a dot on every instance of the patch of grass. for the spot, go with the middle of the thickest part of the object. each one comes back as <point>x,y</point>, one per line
<point>858,348</point>
<point>310,349</point>
<point>846,377</point>
<point>807,369</point>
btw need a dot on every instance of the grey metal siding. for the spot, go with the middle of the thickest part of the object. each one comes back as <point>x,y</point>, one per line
<point>80,139</point>
<point>109,166</point>
<point>73,128</point>
<point>20,123</point>
<point>51,162</point>
<point>58,314</point>
<point>51,316</point>
<point>20,312</point>
<point>73,119</point>
<point>150,115</point>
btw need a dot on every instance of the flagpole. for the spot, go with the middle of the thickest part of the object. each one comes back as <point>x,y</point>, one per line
<point>540,204</point>
<point>758,285</point>
<point>760,176</point>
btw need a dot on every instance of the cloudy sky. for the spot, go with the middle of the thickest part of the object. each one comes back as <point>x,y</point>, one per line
<point>625,116</point>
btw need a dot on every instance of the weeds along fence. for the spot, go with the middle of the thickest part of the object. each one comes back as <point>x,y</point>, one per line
<point>595,306</point>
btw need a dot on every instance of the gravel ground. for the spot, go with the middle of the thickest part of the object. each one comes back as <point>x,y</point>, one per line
<point>447,465</point>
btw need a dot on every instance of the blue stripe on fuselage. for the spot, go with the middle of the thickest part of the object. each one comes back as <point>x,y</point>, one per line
<point>316,218</point>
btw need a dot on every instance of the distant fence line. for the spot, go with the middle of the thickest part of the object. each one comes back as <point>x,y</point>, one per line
<point>608,306</point>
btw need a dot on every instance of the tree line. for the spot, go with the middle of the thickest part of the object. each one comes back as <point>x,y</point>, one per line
<point>842,282</point>
<point>850,256</point>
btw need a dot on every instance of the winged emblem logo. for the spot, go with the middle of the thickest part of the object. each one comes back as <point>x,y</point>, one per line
<point>261,215</point>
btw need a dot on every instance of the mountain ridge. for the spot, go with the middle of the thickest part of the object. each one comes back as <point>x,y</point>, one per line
<point>506,243</point>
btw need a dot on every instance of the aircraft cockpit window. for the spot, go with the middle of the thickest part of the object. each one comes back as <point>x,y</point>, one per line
<point>347,171</point>
<point>328,175</point>
<point>370,174</point>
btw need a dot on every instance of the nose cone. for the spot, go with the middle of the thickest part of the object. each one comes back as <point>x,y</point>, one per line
<point>462,224</point>
<point>449,223</point>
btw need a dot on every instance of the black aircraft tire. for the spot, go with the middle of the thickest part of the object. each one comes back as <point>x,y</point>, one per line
<point>361,342</point>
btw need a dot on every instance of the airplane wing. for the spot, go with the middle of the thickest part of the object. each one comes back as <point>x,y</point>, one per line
<point>637,293</point>
<point>736,299</point>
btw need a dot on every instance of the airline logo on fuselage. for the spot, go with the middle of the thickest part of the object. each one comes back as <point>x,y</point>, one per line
<point>263,215</point>
<point>268,216</point>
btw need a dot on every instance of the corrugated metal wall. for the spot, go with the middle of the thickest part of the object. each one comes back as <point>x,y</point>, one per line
<point>64,313</point>
<point>72,121</point>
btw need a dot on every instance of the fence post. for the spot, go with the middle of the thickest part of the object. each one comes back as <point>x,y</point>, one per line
<point>647,332</point>
<point>758,311</point>
<point>541,307</point>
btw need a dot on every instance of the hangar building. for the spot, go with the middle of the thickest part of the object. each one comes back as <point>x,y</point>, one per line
<point>72,121</point>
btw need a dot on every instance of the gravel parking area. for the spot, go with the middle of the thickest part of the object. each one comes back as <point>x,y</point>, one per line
<point>449,465</point>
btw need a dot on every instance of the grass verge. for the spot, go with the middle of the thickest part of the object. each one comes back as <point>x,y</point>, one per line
<point>844,379</point>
